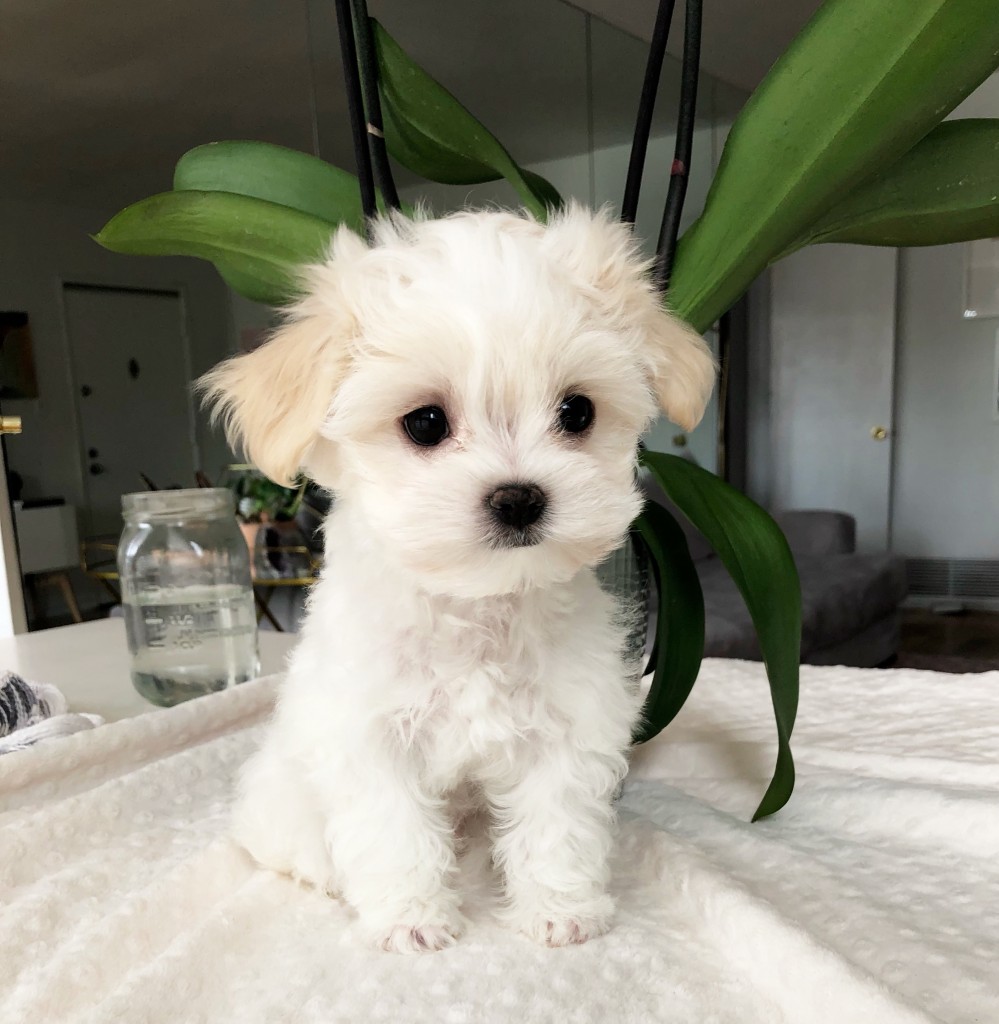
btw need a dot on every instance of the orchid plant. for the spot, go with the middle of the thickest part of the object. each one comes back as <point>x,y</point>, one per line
<point>843,141</point>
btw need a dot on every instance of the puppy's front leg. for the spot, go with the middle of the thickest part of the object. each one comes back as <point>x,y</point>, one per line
<point>553,840</point>
<point>392,846</point>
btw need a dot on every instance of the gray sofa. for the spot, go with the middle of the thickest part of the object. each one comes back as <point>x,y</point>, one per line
<point>850,601</point>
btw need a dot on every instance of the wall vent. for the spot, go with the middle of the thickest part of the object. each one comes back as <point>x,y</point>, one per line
<point>953,577</point>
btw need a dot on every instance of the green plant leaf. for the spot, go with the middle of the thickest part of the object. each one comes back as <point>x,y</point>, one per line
<point>543,189</point>
<point>424,157</point>
<point>859,87</point>
<point>753,549</point>
<point>945,189</point>
<point>279,175</point>
<point>679,623</point>
<point>431,133</point>
<point>254,282</point>
<point>257,246</point>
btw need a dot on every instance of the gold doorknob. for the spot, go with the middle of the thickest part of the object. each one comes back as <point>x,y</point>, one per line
<point>10,424</point>
<point>879,433</point>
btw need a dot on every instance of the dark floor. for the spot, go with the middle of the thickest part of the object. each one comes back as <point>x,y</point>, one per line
<point>959,642</point>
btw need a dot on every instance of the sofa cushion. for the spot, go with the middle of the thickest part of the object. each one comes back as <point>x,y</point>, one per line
<point>818,532</point>
<point>841,595</point>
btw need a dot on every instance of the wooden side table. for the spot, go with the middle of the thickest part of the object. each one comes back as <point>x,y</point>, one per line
<point>99,560</point>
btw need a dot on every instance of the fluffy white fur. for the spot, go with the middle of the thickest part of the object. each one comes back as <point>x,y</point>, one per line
<point>439,674</point>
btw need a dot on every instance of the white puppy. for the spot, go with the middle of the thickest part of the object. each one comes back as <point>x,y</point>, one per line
<point>472,389</point>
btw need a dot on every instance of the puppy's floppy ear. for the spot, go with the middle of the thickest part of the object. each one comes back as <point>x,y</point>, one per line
<point>273,401</point>
<point>681,368</point>
<point>603,256</point>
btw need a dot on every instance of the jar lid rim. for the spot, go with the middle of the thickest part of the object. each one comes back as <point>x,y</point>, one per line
<point>173,503</point>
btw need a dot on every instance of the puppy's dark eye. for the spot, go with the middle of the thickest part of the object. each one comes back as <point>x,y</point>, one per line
<point>426,426</point>
<point>575,414</point>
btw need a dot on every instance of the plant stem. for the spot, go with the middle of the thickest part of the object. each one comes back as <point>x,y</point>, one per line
<point>355,107</point>
<point>679,172</point>
<point>373,105</point>
<point>646,107</point>
<point>297,501</point>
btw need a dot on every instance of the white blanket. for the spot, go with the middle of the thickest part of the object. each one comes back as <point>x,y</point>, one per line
<point>873,897</point>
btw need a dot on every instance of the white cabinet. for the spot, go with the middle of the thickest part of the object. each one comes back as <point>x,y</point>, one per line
<point>47,537</point>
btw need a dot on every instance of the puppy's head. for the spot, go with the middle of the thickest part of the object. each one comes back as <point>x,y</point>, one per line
<point>473,388</point>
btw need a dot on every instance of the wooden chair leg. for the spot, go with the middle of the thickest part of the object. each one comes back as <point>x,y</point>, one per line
<point>31,593</point>
<point>263,606</point>
<point>66,586</point>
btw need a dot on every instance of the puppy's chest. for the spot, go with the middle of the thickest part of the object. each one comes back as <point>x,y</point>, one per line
<point>468,685</point>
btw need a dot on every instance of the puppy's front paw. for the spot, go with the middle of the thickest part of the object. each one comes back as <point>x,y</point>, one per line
<point>565,931</point>
<point>555,919</point>
<point>423,938</point>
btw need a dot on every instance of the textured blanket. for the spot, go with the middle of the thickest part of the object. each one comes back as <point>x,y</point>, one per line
<point>873,897</point>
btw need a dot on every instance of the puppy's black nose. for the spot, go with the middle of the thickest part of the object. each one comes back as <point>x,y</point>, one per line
<point>517,505</point>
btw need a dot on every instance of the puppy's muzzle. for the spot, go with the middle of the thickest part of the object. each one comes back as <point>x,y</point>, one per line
<point>515,510</point>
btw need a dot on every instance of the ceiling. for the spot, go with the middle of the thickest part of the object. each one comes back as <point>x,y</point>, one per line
<point>99,100</point>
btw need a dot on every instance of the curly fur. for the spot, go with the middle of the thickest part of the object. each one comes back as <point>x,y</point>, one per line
<point>439,673</point>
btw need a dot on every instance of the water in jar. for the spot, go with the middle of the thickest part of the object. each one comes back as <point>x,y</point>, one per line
<point>190,640</point>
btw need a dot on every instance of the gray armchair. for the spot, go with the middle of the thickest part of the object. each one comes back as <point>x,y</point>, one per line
<point>850,601</point>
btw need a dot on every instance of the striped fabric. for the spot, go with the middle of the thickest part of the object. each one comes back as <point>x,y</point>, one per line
<point>23,703</point>
<point>32,712</point>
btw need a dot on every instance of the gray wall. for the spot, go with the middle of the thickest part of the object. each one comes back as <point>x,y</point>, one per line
<point>946,480</point>
<point>42,246</point>
<point>945,476</point>
<point>597,179</point>
<point>943,479</point>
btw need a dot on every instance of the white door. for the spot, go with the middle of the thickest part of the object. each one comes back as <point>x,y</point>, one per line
<point>130,369</point>
<point>832,369</point>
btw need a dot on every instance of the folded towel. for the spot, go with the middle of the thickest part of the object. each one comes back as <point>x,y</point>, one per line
<point>30,712</point>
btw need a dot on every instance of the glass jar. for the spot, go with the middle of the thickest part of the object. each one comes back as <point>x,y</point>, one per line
<point>186,593</point>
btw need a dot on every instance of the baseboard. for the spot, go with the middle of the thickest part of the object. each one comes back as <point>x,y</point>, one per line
<point>951,605</point>
<point>968,582</point>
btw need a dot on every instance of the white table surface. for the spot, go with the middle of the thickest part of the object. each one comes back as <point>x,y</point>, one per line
<point>89,662</point>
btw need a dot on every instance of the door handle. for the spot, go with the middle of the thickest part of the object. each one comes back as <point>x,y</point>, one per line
<point>879,433</point>
<point>10,424</point>
<point>96,469</point>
